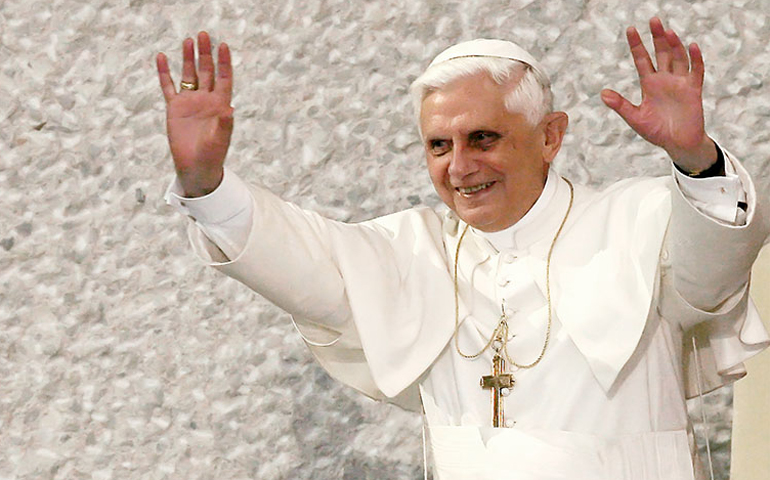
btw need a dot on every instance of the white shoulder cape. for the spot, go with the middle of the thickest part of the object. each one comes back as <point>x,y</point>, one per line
<point>392,277</point>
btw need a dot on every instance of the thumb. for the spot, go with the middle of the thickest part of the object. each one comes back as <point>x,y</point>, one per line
<point>223,128</point>
<point>225,121</point>
<point>620,105</point>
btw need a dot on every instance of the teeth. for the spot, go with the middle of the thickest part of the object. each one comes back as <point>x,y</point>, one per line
<point>474,189</point>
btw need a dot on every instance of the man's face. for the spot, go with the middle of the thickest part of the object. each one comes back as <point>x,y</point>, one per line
<point>486,163</point>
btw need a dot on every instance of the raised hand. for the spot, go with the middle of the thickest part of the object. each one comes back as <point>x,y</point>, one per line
<point>671,112</point>
<point>199,119</point>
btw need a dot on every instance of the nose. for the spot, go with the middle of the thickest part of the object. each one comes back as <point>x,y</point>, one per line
<point>462,162</point>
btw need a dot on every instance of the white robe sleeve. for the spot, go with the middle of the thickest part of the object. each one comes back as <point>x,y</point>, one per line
<point>705,269</point>
<point>360,294</point>
<point>711,259</point>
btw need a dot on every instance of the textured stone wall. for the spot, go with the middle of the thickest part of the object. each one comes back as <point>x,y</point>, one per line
<point>120,355</point>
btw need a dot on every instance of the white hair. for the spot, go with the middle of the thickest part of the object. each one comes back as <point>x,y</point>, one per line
<point>531,96</point>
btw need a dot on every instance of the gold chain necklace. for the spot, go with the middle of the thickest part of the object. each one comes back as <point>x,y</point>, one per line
<point>501,331</point>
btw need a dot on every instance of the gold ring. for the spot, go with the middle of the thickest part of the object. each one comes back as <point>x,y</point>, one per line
<point>188,85</point>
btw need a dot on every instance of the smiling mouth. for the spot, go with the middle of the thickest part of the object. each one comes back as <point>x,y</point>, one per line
<point>474,189</point>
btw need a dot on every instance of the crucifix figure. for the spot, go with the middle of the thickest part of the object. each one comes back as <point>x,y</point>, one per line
<point>497,382</point>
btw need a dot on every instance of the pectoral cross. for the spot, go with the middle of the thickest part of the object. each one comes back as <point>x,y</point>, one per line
<point>497,382</point>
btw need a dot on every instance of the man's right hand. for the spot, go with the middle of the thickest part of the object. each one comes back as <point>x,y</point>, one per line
<point>199,122</point>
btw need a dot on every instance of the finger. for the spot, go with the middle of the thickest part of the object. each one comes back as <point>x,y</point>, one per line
<point>188,61</point>
<point>680,63</point>
<point>224,83</point>
<point>639,53</point>
<point>205,63</point>
<point>696,58</point>
<point>164,75</point>
<point>621,106</point>
<point>663,54</point>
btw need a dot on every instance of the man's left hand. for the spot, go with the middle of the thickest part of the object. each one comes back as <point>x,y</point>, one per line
<point>671,112</point>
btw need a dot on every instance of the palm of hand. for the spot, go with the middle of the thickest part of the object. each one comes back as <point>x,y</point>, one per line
<point>192,120</point>
<point>671,112</point>
<point>199,121</point>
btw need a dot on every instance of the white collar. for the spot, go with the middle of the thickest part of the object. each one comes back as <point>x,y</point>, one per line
<point>532,226</point>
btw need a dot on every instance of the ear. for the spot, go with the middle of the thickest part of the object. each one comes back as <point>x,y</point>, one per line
<point>554,128</point>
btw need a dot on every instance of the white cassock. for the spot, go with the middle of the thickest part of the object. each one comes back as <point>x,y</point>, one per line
<point>375,303</point>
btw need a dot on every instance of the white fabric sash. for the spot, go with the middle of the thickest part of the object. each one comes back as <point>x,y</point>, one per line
<point>486,453</point>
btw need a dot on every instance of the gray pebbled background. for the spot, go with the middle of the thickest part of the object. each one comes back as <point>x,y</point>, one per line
<point>120,355</point>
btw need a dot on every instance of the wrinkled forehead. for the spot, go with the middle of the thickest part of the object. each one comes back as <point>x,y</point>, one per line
<point>490,48</point>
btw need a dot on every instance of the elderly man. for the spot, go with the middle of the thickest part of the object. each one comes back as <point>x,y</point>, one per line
<point>551,331</point>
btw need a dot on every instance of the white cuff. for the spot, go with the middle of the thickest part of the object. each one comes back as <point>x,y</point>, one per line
<point>228,200</point>
<point>715,197</point>
<point>223,215</point>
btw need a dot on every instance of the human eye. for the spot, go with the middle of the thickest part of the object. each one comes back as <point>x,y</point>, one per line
<point>483,140</point>
<point>438,147</point>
